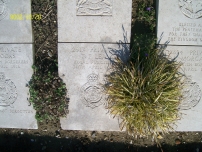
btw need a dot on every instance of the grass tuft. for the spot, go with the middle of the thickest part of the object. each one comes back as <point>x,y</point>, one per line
<point>145,92</point>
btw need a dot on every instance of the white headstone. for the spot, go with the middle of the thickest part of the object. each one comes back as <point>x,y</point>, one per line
<point>180,22</point>
<point>82,66</point>
<point>16,62</point>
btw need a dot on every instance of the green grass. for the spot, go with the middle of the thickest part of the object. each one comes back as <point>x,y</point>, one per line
<point>145,93</point>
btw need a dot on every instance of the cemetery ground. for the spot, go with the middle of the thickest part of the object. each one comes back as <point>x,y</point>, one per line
<point>49,136</point>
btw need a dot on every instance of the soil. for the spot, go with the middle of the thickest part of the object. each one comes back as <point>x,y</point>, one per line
<point>49,137</point>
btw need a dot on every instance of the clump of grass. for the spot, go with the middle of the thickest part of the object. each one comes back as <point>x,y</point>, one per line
<point>145,92</point>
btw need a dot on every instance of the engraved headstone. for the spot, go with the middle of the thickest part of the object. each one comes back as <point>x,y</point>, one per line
<point>180,22</point>
<point>83,66</point>
<point>15,73</point>
<point>16,62</point>
<point>191,106</point>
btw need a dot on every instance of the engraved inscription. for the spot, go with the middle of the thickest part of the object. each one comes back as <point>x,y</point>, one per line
<point>191,59</point>
<point>15,111</point>
<point>8,91</point>
<point>90,58</point>
<point>191,63</point>
<point>3,9</point>
<point>12,57</point>
<point>94,7</point>
<point>191,8</point>
<point>191,94</point>
<point>92,92</point>
<point>20,111</point>
<point>186,32</point>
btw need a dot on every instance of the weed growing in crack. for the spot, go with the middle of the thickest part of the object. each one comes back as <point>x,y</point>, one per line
<point>47,96</point>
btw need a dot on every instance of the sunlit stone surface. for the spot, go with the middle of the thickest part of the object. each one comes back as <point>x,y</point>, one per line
<point>180,22</point>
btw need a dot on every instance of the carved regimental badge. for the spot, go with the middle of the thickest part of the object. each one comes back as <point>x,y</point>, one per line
<point>191,95</point>
<point>191,8</point>
<point>94,7</point>
<point>92,92</point>
<point>8,91</point>
<point>3,9</point>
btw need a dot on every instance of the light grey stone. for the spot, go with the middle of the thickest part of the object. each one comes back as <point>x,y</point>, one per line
<point>94,20</point>
<point>14,25</point>
<point>15,72</point>
<point>82,67</point>
<point>191,58</point>
<point>180,22</point>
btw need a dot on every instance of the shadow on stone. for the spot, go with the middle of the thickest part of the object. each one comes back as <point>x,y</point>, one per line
<point>122,51</point>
